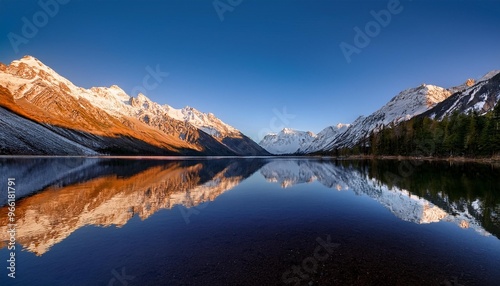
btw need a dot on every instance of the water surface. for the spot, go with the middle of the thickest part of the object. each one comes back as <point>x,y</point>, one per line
<point>251,221</point>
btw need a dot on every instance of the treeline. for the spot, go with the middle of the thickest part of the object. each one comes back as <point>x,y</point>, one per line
<point>469,135</point>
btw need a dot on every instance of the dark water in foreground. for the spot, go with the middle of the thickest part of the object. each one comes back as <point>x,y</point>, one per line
<point>250,222</point>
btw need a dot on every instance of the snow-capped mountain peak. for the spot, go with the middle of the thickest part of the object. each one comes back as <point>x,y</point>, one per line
<point>31,68</point>
<point>287,141</point>
<point>413,101</point>
<point>402,107</point>
<point>288,131</point>
<point>207,122</point>
<point>31,61</point>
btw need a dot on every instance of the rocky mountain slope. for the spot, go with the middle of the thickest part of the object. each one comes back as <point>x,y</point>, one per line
<point>480,97</point>
<point>104,120</point>
<point>405,105</point>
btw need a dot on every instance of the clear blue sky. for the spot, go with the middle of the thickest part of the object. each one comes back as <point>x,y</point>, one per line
<point>264,55</point>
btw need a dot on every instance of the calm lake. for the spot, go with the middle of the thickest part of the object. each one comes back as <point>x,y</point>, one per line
<point>250,221</point>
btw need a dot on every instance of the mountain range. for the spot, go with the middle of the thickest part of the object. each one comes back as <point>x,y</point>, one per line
<point>425,100</point>
<point>43,113</point>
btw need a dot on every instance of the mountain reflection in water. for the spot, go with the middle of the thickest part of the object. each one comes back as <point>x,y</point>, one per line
<point>420,204</point>
<point>125,189</point>
<point>106,192</point>
<point>58,196</point>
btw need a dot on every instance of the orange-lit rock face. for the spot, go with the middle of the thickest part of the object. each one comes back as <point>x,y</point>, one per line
<point>43,104</point>
<point>434,95</point>
<point>470,82</point>
<point>35,91</point>
<point>50,216</point>
<point>39,96</point>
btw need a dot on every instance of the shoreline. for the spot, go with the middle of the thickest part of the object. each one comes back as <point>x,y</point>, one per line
<point>461,159</point>
<point>490,160</point>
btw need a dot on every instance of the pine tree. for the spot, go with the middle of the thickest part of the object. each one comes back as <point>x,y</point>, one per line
<point>495,142</point>
<point>470,142</point>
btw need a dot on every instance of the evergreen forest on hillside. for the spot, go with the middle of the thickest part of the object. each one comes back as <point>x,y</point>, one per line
<point>457,135</point>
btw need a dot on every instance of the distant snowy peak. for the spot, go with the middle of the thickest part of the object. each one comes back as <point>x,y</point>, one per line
<point>141,106</point>
<point>324,137</point>
<point>287,141</point>
<point>291,131</point>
